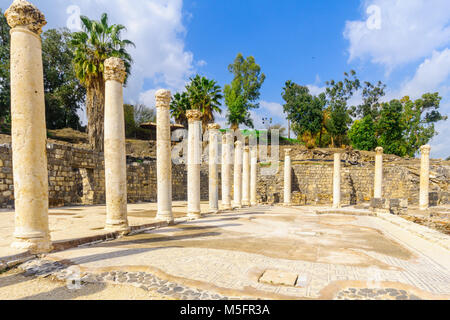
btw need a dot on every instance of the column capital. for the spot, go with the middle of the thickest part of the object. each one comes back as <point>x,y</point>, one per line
<point>238,144</point>
<point>114,69</point>
<point>213,126</point>
<point>287,152</point>
<point>21,13</point>
<point>246,149</point>
<point>379,150</point>
<point>194,115</point>
<point>425,149</point>
<point>163,98</point>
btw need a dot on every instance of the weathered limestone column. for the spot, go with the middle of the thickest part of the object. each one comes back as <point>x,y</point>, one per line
<point>163,156</point>
<point>337,181</point>
<point>253,176</point>
<point>287,178</point>
<point>194,162</point>
<point>246,177</point>
<point>237,175</point>
<point>213,166</point>
<point>227,145</point>
<point>424,177</point>
<point>28,128</point>
<point>115,153</point>
<point>378,188</point>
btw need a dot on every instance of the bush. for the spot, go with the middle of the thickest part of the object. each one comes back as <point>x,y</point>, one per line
<point>362,134</point>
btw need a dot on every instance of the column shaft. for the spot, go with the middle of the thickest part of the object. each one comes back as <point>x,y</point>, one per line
<point>238,175</point>
<point>287,178</point>
<point>337,181</point>
<point>194,162</point>
<point>213,168</point>
<point>246,177</point>
<point>378,187</point>
<point>424,177</point>
<point>254,176</point>
<point>227,161</point>
<point>28,129</point>
<point>163,156</point>
<point>114,147</point>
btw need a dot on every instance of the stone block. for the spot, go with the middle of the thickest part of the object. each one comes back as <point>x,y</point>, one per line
<point>279,278</point>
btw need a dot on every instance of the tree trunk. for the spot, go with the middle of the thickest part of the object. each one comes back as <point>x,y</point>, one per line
<point>234,126</point>
<point>95,109</point>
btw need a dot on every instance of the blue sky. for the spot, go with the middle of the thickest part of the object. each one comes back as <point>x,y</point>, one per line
<point>404,43</point>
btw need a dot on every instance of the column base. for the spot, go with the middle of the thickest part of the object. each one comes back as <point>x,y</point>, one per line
<point>214,211</point>
<point>194,216</point>
<point>337,206</point>
<point>165,216</point>
<point>115,226</point>
<point>35,245</point>
<point>424,208</point>
<point>246,203</point>
<point>288,204</point>
<point>237,206</point>
<point>253,204</point>
<point>227,207</point>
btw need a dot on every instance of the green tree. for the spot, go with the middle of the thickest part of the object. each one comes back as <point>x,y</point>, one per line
<point>64,94</point>
<point>338,93</point>
<point>420,117</point>
<point>97,42</point>
<point>391,129</point>
<point>304,110</point>
<point>143,114</point>
<point>204,95</point>
<point>5,93</point>
<point>130,124</point>
<point>178,107</point>
<point>244,91</point>
<point>201,94</point>
<point>362,134</point>
<point>371,95</point>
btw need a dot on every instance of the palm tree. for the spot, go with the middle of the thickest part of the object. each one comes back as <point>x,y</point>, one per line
<point>97,42</point>
<point>178,107</point>
<point>202,94</point>
<point>205,95</point>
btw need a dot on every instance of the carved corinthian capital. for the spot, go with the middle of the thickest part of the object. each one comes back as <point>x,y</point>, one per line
<point>114,70</point>
<point>21,13</point>
<point>194,115</point>
<point>163,98</point>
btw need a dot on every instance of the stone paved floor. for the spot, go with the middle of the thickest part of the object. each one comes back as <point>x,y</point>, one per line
<point>223,256</point>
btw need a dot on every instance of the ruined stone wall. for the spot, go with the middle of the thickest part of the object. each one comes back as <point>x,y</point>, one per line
<point>76,176</point>
<point>312,182</point>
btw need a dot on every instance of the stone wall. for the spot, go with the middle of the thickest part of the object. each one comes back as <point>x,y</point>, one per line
<point>312,182</point>
<point>76,176</point>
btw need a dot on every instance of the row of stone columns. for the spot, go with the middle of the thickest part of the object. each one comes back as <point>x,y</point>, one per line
<point>378,180</point>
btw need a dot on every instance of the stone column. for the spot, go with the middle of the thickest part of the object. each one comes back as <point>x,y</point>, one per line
<point>227,145</point>
<point>163,156</point>
<point>237,175</point>
<point>424,177</point>
<point>246,177</point>
<point>287,178</point>
<point>114,148</point>
<point>194,162</point>
<point>28,128</point>
<point>213,163</point>
<point>378,187</point>
<point>253,176</point>
<point>337,181</point>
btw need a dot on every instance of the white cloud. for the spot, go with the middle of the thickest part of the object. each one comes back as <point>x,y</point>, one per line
<point>409,30</point>
<point>430,75</point>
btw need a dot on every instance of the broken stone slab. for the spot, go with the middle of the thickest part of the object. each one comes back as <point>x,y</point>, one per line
<point>279,278</point>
